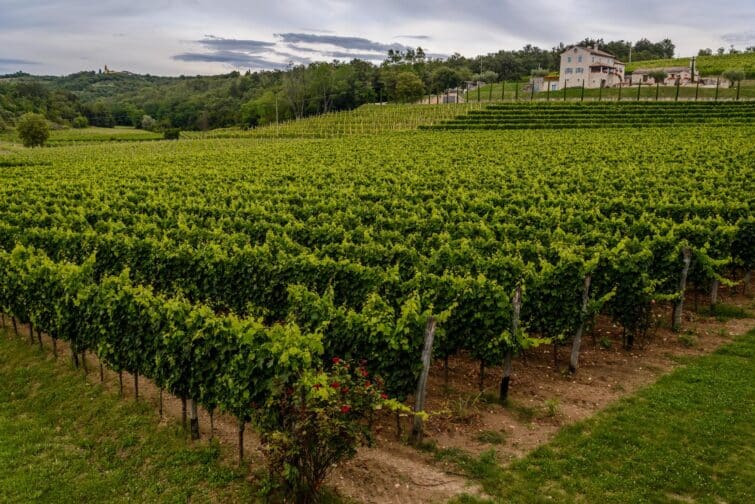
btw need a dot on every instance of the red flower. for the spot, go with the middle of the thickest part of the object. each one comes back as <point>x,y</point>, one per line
<point>345,408</point>
<point>344,389</point>
<point>383,396</point>
<point>367,384</point>
<point>316,386</point>
<point>335,385</point>
<point>336,360</point>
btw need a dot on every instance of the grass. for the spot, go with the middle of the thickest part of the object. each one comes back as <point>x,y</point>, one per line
<point>63,440</point>
<point>491,437</point>
<point>689,437</point>
<point>724,312</point>
<point>68,136</point>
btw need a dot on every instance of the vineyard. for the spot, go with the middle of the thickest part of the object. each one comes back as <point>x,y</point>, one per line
<point>366,120</point>
<point>706,65</point>
<point>222,269</point>
<point>556,115</point>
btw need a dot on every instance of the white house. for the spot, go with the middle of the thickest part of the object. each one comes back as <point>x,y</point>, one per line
<point>591,67</point>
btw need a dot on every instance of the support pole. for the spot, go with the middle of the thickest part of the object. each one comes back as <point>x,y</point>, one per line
<point>242,426</point>
<point>573,361</point>
<point>516,303</point>
<point>419,406</point>
<point>194,421</point>
<point>687,259</point>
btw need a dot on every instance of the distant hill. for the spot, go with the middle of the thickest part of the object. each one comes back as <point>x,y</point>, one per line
<point>706,65</point>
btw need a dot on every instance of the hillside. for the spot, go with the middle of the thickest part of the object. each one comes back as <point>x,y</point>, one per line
<point>707,65</point>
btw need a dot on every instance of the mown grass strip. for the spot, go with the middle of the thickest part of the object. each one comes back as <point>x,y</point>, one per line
<point>687,438</point>
<point>63,440</point>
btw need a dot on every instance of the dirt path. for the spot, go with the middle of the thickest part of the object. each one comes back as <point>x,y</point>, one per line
<point>542,401</point>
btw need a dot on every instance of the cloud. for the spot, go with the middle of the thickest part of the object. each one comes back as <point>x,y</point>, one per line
<point>745,37</point>
<point>355,43</point>
<point>417,37</point>
<point>15,61</point>
<point>229,44</point>
<point>235,58</point>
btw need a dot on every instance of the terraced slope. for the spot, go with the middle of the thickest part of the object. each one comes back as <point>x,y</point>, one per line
<point>365,120</point>
<point>601,115</point>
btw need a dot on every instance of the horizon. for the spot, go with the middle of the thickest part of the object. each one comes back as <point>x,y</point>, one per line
<point>169,39</point>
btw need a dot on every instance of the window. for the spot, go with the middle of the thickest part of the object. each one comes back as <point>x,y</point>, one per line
<point>569,70</point>
<point>554,87</point>
<point>580,70</point>
<point>593,59</point>
<point>568,59</point>
<point>579,59</point>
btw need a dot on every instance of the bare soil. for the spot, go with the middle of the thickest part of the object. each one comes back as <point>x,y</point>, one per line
<point>542,399</point>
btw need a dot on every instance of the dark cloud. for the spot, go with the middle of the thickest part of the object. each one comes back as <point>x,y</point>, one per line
<point>417,37</point>
<point>15,61</point>
<point>234,58</point>
<point>350,55</point>
<point>225,44</point>
<point>356,43</point>
<point>746,37</point>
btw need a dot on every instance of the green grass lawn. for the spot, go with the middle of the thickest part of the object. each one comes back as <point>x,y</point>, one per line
<point>91,134</point>
<point>688,438</point>
<point>63,440</point>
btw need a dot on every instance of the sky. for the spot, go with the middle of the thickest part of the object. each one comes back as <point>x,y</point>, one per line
<point>172,37</point>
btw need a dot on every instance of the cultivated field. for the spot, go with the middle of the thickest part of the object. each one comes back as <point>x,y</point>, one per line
<point>219,266</point>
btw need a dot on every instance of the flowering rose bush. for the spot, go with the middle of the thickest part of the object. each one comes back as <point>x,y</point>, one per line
<point>309,426</point>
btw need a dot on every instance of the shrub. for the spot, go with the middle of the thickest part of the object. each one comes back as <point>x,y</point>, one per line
<point>315,423</point>
<point>33,129</point>
<point>147,123</point>
<point>80,122</point>
<point>171,134</point>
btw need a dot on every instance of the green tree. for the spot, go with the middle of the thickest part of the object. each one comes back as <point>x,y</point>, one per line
<point>33,130</point>
<point>733,76</point>
<point>80,122</point>
<point>409,87</point>
<point>445,77</point>
<point>658,75</point>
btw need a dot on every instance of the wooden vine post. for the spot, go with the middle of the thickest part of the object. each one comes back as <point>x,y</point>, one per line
<point>242,426</point>
<point>573,361</point>
<point>194,421</point>
<point>419,404</point>
<point>677,314</point>
<point>714,292</point>
<point>503,393</point>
